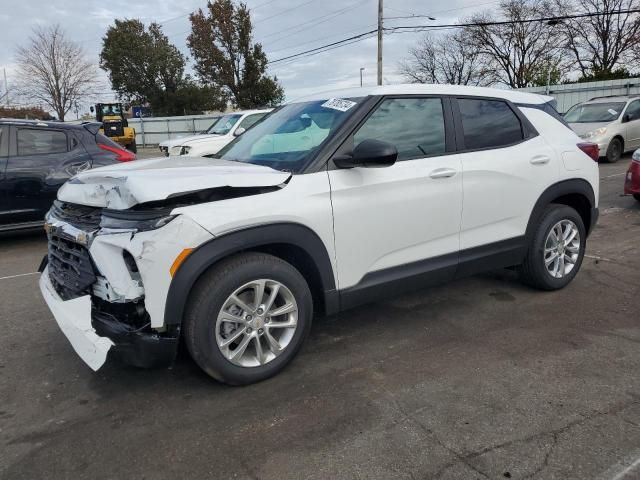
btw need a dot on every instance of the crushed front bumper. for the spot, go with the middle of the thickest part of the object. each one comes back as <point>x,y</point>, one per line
<point>93,334</point>
<point>74,319</point>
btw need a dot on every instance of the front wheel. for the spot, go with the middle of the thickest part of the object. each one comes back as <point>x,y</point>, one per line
<point>614,151</point>
<point>556,249</point>
<point>132,147</point>
<point>247,318</point>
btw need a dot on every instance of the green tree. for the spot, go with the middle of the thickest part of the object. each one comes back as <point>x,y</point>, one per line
<point>222,45</point>
<point>144,66</point>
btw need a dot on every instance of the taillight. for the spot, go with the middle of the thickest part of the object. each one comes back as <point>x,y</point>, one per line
<point>590,149</point>
<point>122,155</point>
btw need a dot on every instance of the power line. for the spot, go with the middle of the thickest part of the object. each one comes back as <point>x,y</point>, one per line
<point>339,42</point>
<point>417,28</point>
<point>418,15</point>
<point>324,37</point>
<point>283,12</point>
<point>512,22</point>
<point>315,21</point>
<point>288,61</point>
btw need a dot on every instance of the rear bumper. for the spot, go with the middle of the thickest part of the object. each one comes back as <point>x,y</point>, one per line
<point>93,335</point>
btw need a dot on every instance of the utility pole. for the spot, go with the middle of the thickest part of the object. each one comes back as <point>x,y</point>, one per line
<point>6,88</point>
<point>380,27</point>
<point>361,70</point>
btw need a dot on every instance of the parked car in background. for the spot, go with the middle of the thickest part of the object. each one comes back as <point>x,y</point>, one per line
<point>37,157</point>
<point>632,180</point>
<point>226,129</point>
<point>613,122</point>
<point>167,144</point>
<point>329,202</point>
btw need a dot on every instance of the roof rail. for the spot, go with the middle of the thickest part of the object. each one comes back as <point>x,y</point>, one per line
<point>633,95</point>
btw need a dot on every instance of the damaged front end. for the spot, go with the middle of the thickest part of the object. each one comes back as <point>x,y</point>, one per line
<point>106,277</point>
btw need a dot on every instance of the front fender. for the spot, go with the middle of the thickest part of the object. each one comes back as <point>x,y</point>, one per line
<point>221,247</point>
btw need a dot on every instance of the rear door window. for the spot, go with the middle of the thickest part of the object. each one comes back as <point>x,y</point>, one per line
<point>40,141</point>
<point>414,125</point>
<point>488,124</point>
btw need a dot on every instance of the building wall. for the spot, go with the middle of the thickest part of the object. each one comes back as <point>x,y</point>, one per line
<point>568,95</point>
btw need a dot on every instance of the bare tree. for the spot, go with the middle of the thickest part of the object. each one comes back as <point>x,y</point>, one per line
<point>516,51</point>
<point>603,42</point>
<point>54,70</point>
<point>444,59</point>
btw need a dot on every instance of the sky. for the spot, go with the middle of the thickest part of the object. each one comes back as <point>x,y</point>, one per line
<point>283,27</point>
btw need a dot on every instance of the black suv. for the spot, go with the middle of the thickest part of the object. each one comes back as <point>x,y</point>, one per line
<point>37,157</point>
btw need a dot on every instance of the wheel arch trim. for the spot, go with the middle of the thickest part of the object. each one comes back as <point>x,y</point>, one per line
<point>575,186</point>
<point>218,248</point>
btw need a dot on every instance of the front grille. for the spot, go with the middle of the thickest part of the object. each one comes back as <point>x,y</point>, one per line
<point>70,267</point>
<point>80,216</point>
<point>113,129</point>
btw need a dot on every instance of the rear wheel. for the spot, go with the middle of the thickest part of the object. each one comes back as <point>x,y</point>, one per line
<point>636,196</point>
<point>556,250</point>
<point>132,147</point>
<point>614,151</point>
<point>247,318</point>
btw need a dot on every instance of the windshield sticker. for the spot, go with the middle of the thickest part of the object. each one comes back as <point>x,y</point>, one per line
<point>338,104</point>
<point>612,111</point>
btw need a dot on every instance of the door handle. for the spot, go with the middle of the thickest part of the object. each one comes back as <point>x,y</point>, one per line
<point>443,173</point>
<point>539,160</point>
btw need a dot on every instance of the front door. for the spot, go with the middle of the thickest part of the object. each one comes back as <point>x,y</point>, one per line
<point>400,221</point>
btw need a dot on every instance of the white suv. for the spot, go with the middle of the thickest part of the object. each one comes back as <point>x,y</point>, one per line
<point>225,129</point>
<point>329,202</point>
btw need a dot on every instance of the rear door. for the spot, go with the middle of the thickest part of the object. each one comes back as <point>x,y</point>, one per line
<point>506,166</point>
<point>41,160</point>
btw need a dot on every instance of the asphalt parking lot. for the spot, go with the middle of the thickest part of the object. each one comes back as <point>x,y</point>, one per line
<point>481,378</point>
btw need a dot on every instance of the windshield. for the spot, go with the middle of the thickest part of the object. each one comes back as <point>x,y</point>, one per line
<point>594,112</point>
<point>287,138</point>
<point>113,109</point>
<point>225,123</point>
<point>215,122</point>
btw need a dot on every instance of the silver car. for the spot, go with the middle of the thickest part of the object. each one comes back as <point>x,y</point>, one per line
<point>612,122</point>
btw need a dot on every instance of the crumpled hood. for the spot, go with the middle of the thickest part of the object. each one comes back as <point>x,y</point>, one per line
<point>127,184</point>
<point>582,128</point>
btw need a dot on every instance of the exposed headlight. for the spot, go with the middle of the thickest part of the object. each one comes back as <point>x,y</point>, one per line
<point>185,150</point>
<point>595,133</point>
<point>134,221</point>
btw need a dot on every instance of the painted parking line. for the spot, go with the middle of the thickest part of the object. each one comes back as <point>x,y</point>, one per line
<point>614,175</point>
<point>627,470</point>
<point>19,275</point>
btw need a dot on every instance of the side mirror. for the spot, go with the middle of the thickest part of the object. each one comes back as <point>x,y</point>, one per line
<point>239,131</point>
<point>369,153</point>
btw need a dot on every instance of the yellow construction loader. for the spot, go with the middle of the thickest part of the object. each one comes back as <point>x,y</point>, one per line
<point>115,125</point>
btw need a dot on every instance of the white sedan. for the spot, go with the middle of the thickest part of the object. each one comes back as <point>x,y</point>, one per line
<point>226,129</point>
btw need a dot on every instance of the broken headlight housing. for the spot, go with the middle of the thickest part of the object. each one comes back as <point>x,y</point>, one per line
<point>139,221</point>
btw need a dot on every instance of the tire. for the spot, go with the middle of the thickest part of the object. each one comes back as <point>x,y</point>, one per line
<point>614,150</point>
<point>204,331</point>
<point>534,271</point>
<point>132,147</point>
<point>637,196</point>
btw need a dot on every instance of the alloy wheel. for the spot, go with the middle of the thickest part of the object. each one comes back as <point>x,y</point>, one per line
<point>256,323</point>
<point>562,248</point>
